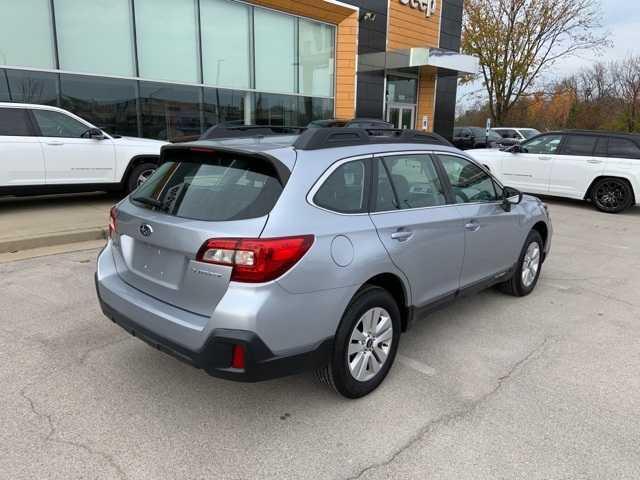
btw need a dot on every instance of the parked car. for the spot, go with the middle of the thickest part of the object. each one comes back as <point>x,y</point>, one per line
<point>50,150</point>
<point>517,134</point>
<point>353,123</point>
<point>257,259</point>
<point>474,137</point>
<point>601,167</point>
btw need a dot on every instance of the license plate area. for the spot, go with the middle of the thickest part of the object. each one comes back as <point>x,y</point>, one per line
<point>158,264</point>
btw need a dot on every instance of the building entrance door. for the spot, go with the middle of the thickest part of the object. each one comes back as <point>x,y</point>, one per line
<point>401,116</point>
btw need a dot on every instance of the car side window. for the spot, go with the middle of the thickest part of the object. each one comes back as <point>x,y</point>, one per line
<point>544,144</point>
<point>14,122</point>
<point>56,124</point>
<point>344,190</point>
<point>408,181</point>
<point>579,145</point>
<point>470,184</point>
<point>623,148</point>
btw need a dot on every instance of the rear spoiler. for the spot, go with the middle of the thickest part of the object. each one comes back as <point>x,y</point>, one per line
<point>198,152</point>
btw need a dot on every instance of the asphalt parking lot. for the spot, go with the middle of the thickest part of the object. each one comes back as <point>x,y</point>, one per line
<point>544,387</point>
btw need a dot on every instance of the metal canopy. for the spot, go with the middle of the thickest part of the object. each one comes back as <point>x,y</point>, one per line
<point>419,57</point>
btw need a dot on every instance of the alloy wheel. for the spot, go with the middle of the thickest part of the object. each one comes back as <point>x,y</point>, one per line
<point>610,195</point>
<point>530,264</point>
<point>144,176</point>
<point>370,344</point>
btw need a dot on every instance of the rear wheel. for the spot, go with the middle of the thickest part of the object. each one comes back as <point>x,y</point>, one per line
<point>365,345</point>
<point>139,174</point>
<point>525,278</point>
<point>611,195</point>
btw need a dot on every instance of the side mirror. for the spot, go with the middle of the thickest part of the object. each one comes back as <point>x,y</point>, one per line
<point>94,134</point>
<point>510,197</point>
<point>514,149</point>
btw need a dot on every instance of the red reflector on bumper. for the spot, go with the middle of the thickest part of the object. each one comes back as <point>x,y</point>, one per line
<point>238,357</point>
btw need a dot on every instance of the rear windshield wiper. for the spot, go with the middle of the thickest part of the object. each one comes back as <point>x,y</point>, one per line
<point>149,201</point>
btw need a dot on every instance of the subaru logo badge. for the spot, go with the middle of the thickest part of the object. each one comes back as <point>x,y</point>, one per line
<point>146,230</point>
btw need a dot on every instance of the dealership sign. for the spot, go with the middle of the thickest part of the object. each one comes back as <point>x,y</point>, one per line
<point>427,6</point>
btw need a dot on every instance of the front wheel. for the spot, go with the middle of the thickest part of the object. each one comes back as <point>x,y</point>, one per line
<point>611,195</point>
<point>365,344</point>
<point>525,278</point>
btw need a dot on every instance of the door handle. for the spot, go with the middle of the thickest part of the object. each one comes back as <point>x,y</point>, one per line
<point>594,161</point>
<point>401,235</point>
<point>544,158</point>
<point>55,144</point>
<point>472,226</point>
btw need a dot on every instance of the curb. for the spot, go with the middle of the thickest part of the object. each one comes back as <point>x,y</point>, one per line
<point>52,239</point>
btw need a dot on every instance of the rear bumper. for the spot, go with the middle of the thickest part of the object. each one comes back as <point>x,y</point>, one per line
<point>216,355</point>
<point>206,342</point>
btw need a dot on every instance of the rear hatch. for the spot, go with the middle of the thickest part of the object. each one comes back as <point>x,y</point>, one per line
<point>196,194</point>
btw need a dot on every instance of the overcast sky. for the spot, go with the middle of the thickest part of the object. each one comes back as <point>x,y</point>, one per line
<point>621,20</point>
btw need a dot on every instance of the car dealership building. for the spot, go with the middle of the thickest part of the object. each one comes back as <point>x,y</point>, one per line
<point>169,69</point>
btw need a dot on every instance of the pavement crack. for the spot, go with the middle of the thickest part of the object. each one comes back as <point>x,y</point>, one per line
<point>428,428</point>
<point>52,432</point>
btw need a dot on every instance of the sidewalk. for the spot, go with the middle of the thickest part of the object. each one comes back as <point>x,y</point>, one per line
<point>34,222</point>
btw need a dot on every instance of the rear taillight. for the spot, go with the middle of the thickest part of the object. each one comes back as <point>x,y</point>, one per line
<point>255,260</point>
<point>112,221</point>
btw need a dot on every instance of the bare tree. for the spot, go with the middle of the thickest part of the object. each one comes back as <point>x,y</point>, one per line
<point>627,77</point>
<point>516,40</point>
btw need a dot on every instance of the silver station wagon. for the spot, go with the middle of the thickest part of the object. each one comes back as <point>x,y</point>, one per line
<point>256,258</point>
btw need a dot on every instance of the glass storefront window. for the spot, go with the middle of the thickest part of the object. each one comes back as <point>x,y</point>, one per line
<point>95,37</point>
<point>223,106</point>
<point>276,110</point>
<point>4,86</point>
<point>316,63</point>
<point>311,109</point>
<point>170,112</point>
<point>110,104</point>
<point>26,34</point>
<point>226,49</point>
<point>402,89</point>
<point>167,36</point>
<point>33,87</point>
<point>275,51</point>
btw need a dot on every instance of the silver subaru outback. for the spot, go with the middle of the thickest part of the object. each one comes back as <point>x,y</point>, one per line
<point>255,258</point>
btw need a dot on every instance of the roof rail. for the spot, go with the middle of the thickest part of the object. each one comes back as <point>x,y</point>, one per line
<point>232,130</point>
<point>321,138</point>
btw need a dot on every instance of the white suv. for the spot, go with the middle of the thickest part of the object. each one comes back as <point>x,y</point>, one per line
<point>601,167</point>
<point>46,149</point>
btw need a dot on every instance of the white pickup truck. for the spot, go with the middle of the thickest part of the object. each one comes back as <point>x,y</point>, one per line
<point>46,149</point>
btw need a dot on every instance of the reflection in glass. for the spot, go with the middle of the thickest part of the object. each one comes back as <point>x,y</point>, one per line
<point>225,43</point>
<point>167,37</point>
<point>223,106</point>
<point>107,103</point>
<point>33,87</point>
<point>95,37</point>
<point>316,64</point>
<point>26,34</point>
<point>275,51</point>
<point>402,89</point>
<point>276,110</point>
<point>310,109</point>
<point>170,112</point>
<point>4,86</point>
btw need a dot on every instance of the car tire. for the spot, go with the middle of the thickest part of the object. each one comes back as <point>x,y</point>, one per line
<point>365,345</point>
<point>528,269</point>
<point>142,170</point>
<point>611,195</point>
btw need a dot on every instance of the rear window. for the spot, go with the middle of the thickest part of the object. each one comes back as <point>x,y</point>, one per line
<point>14,122</point>
<point>212,187</point>
<point>623,148</point>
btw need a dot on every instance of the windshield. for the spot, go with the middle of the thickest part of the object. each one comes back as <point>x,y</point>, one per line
<point>223,188</point>
<point>481,133</point>
<point>529,132</point>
